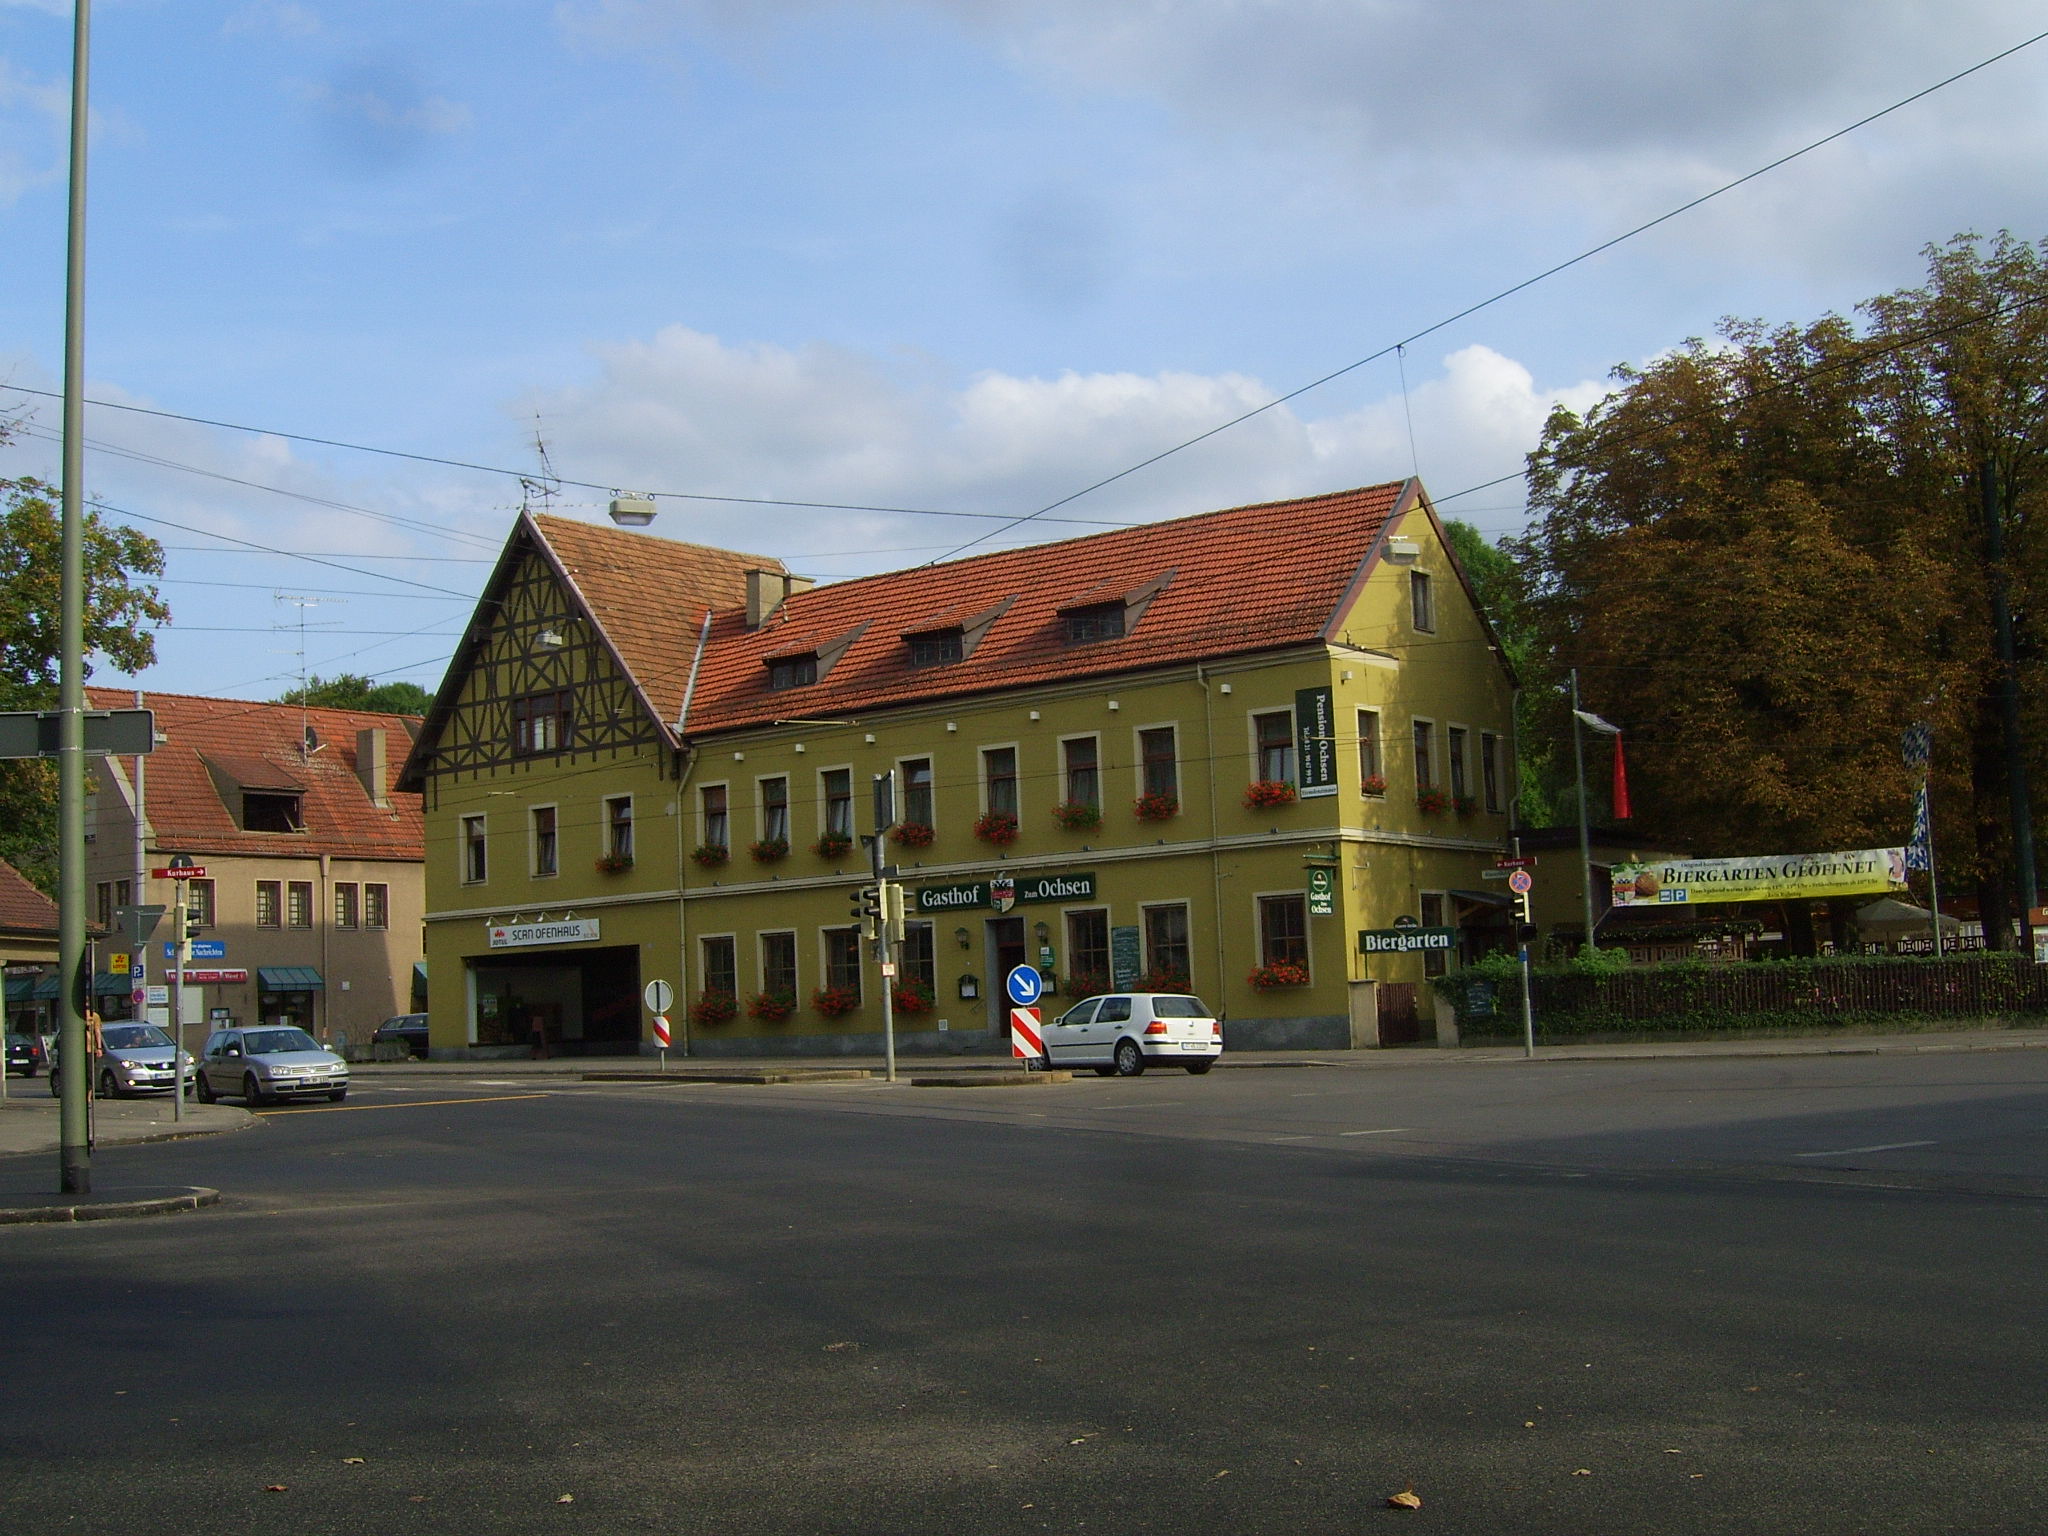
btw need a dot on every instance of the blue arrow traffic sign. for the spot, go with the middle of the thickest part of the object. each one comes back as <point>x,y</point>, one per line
<point>1024,985</point>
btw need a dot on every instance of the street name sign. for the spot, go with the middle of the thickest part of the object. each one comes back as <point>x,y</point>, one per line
<point>108,732</point>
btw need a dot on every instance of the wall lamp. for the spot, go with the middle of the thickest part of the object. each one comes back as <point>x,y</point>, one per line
<point>960,937</point>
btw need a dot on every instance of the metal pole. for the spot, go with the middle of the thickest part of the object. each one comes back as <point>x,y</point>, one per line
<point>1933,879</point>
<point>1585,831</point>
<point>178,958</point>
<point>74,1150</point>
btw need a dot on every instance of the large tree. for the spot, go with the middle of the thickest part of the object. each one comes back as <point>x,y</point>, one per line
<point>121,607</point>
<point>352,690</point>
<point>1765,556</point>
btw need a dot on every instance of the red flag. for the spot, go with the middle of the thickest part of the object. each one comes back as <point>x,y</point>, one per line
<point>1621,810</point>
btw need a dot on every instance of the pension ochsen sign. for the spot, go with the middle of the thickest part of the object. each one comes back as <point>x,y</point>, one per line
<point>1002,892</point>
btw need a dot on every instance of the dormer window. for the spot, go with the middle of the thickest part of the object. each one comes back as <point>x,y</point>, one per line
<point>1098,621</point>
<point>272,812</point>
<point>935,649</point>
<point>793,671</point>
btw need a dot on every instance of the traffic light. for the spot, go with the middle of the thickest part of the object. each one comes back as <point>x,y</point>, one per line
<point>892,912</point>
<point>1525,924</point>
<point>193,926</point>
<point>867,908</point>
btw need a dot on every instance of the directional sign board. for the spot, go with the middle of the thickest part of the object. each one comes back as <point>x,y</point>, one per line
<point>137,923</point>
<point>1024,985</point>
<point>202,949</point>
<point>658,996</point>
<point>179,872</point>
<point>108,732</point>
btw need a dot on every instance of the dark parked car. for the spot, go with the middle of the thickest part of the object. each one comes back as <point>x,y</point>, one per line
<point>407,1029</point>
<point>24,1055</point>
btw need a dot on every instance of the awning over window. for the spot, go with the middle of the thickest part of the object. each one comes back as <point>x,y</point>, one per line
<point>289,978</point>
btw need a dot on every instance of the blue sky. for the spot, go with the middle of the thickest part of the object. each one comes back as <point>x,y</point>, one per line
<point>969,255</point>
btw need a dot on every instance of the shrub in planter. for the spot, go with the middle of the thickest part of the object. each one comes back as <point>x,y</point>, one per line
<point>770,1007</point>
<point>1157,805</point>
<point>912,834</point>
<point>997,827</point>
<point>1077,815</point>
<point>711,855</point>
<point>1284,973</point>
<point>913,996</point>
<point>1373,784</point>
<point>614,863</point>
<point>1261,793</point>
<point>833,845</point>
<point>1432,802</point>
<point>1465,805</point>
<point>833,1002</point>
<point>714,1008</point>
<point>769,849</point>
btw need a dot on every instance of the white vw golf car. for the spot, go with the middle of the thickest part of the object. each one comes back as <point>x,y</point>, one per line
<point>1119,1033</point>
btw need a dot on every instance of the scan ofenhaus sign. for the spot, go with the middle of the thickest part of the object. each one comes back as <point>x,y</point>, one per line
<point>1003,892</point>
<point>578,930</point>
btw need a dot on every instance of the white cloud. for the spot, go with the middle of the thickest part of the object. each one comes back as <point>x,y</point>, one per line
<point>684,411</point>
<point>34,119</point>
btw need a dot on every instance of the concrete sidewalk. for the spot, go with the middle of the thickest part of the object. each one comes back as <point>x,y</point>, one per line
<point>29,1121</point>
<point>1922,1042</point>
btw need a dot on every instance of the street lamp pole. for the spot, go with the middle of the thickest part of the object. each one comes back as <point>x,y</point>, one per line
<point>75,986</point>
<point>1585,827</point>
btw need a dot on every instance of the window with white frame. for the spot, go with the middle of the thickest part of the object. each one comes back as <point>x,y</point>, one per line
<point>716,818</point>
<point>1273,737</point>
<point>618,828</point>
<point>1489,769</point>
<point>1422,602</point>
<point>476,863</point>
<point>1081,764</point>
<point>1159,761</point>
<point>1455,738</point>
<point>999,779</point>
<point>778,964</point>
<point>838,788</point>
<point>1425,755</point>
<point>1283,930</point>
<point>775,810</point>
<point>1372,768</point>
<point>546,855</point>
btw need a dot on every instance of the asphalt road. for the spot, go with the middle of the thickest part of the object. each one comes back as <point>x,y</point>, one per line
<point>1780,1296</point>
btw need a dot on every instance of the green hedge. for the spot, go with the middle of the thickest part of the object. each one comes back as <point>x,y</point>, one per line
<point>1694,997</point>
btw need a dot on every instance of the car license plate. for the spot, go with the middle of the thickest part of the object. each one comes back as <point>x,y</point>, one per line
<point>1191,1045</point>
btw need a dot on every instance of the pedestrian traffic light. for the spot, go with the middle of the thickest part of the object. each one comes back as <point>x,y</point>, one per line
<point>892,912</point>
<point>867,908</point>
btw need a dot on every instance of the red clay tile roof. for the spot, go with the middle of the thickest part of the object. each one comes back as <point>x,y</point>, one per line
<point>23,908</point>
<point>1246,579</point>
<point>186,812</point>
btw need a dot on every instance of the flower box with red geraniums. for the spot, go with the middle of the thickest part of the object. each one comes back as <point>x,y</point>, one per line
<point>1077,815</point>
<point>913,996</point>
<point>1087,984</point>
<point>614,863</point>
<point>912,834</point>
<point>714,1008</point>
<point>1263,793</point>
<point>833,845</point>
<point>1374,785</point>
<point>833,1002</point>
<point>1284,973</point>
<point>769,850</point>
<point>1157,805</point>
<point>1162,979</point>
<point>1465,805</point>
<point>997,827</point>
<point>711,855</point>
<point>770,1007</point>
<point>1432,802</point>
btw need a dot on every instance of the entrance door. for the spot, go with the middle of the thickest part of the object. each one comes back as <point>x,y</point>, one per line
<point>1400,1022</point>
<point>1005,953</point>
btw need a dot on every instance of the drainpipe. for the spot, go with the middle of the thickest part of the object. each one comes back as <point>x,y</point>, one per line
<point>687,761</point>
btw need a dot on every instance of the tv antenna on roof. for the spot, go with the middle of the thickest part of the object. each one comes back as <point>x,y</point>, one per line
<point>308,742</point>
<point>538,492</point>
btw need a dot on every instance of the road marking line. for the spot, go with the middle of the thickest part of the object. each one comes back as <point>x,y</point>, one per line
<point>349,1109</point>
<point>1290,1138</point>
<point>1889,1146</point>
<point>1148,1104</point>
<point>1392,1130</point>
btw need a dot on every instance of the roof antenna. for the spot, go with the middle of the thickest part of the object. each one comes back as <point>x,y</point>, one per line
<point>538,492</point>
<point>309,740</point>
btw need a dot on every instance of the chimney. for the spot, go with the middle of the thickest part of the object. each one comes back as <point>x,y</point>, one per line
<point>767,591</point>
<point>371,765</point>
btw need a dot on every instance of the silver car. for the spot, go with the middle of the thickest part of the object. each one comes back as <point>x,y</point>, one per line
<point>133,1058</point>
<point>269,1061</point>
<point>1120,1032</point>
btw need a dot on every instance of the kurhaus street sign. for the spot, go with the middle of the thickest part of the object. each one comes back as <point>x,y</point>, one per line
<point>1003,892</point>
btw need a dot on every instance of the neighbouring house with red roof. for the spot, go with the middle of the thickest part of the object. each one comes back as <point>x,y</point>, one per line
<point>1203,753</point>
<point>310,907</point>
<point>28,951</point>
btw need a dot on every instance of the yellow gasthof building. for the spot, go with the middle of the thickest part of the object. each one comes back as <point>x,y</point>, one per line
<point>1205,753</point>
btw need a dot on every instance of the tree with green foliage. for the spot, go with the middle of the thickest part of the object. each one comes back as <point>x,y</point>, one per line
<point>1765,555</point>
<point>121,609</point>
<point>352,690</point>
<point>1498,582</point>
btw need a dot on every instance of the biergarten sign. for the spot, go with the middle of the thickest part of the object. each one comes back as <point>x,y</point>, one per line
<point>1406,941</point>
<point>1764,877</point>
<point>1000,893</point>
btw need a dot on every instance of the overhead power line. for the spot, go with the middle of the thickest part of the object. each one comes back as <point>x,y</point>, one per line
<point>1394,347</point>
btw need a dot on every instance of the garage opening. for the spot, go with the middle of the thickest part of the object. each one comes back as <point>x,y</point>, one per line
<point>584,1004</point>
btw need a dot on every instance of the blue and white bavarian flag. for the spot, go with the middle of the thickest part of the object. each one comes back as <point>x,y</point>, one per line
<point>1919,855</point>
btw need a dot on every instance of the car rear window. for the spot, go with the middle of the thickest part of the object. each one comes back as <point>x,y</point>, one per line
<point>1178,1008</point>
